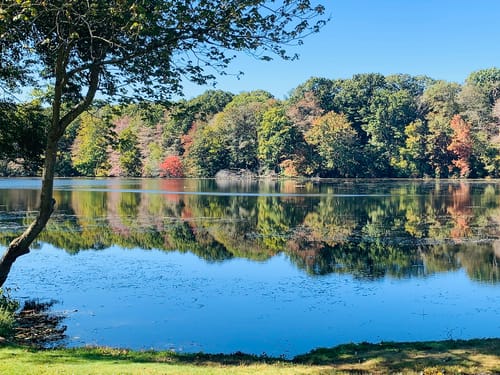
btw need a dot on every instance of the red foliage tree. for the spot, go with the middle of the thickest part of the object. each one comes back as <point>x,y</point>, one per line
<point>461,144</point>
<point>188,138</point>
<point>172,167</point>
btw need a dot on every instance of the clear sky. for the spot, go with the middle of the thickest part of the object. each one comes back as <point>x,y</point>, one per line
<point>443,39</point>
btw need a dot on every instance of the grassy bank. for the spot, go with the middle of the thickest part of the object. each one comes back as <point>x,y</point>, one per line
<point>447,357</point>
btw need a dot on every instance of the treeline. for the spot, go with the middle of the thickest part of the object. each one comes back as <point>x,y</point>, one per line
<point>370,125</point>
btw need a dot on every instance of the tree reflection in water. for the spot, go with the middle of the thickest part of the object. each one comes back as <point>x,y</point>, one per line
<point>366,228</point>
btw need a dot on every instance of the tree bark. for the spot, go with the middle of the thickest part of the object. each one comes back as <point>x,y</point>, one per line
<point>21,245</point>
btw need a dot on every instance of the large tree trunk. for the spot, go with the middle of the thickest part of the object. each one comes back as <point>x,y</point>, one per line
<point>20,246</point>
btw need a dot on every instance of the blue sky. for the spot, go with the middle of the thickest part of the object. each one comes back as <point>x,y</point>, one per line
<point>444,39</point>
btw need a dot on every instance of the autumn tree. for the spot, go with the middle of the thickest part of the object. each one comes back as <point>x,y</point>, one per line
<point>477,100</point>
<point>461,145</point>
<point>439,103</point>
<point>172,167</point>
<point>335,140</point>
<point>130,48</point>
<point>182,116</point>
<point>438,139</point>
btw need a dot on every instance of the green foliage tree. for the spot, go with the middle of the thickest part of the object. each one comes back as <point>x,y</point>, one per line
<point>441,99</point>
<point>276,138</point>
<point>181,116</point>
<point>64,165</point>
<point>391,112</point>
<point>337,144</point>
<point>229,140</point>
<point>22,134</point>
<point>208,152</point>
<point>438,139</point>
<point>130,47</point>
<point>91,147</point>
<point>477,98</point>
<point>438,104</point>
<point>416,86</point>
<point>488,82</point>
<point>413,159</point>
<point>130,155</point>
<point>323,91</point>
<point>241,119</point>
<point>354,99</point>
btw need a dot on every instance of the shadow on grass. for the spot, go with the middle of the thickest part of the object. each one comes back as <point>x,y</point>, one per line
<point>96,354</point>
<point>467,357</point>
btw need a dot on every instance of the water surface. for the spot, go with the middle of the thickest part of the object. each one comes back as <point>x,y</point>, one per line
<point>274,267</point>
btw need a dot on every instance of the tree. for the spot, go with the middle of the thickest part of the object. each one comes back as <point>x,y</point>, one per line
<point>132,47</point>
<point>182,116</point>
<point>438,139</point>
<point>229,140</point>
<point>355,96</point>
<point>391,112</point>
<point>240,120</point>
<point>276,137</point>
<point>89,153</point>
<point>130,156</point>
<point>461,145</point>
<point>477,99</point>
<point>320,90</point>
<point>172,167</point>
<point>337,144</point>
<point>441,99</point>
<point>207,150</point>
<point>22,134</point>
<point>413,161</point>
<point>439,104</point>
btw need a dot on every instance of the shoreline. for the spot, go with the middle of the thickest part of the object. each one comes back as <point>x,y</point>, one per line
<point>476,356</point>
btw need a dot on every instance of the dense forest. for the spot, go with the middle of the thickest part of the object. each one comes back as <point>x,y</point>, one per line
<point>370,125</point>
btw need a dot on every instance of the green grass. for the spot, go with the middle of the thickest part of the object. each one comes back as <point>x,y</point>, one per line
<point>446,357</point>
<point>6,322</point>
<point>16,360</point>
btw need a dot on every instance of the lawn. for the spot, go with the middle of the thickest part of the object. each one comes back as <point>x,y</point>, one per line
<point>445,357</point>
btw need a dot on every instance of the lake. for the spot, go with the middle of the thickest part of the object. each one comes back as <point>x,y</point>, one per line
<point>275,267</point>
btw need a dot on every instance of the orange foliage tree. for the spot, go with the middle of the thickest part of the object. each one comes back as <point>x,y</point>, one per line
<point>461,144</point>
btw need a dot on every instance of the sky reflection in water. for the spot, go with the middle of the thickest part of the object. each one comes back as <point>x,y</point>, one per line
<point>280,274</point>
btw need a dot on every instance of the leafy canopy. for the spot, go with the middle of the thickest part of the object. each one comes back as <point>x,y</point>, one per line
<point>142,47</point>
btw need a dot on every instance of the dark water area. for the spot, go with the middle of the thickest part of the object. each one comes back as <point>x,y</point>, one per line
<point>279,267</point>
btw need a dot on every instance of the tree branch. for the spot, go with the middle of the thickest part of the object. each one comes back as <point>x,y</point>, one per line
<point>77,110</point>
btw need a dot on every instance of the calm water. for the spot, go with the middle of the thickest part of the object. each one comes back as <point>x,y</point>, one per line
<point>274,267</point>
